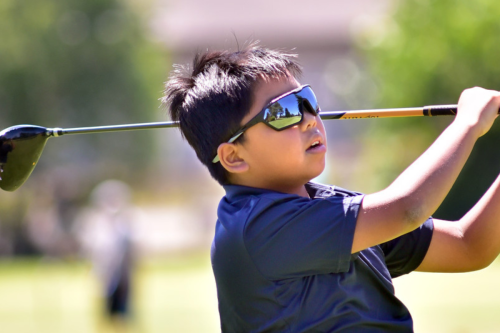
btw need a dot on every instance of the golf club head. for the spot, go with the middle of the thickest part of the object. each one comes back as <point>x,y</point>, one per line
<point>20,149</point>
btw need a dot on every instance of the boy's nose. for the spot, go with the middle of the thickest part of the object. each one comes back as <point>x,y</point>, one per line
<point>309,120</point>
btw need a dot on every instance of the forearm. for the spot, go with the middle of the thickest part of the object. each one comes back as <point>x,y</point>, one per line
<point>469,244</point>
<point>480,227</point>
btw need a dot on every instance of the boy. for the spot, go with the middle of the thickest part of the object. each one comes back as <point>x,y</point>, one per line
<point>293,256</point>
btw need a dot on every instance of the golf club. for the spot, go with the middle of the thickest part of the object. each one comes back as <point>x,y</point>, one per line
<point>21,146</point>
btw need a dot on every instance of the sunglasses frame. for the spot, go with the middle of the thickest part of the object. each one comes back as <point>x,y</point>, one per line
<point>259,117</point>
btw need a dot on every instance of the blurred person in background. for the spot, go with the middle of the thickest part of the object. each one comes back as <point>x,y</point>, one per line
<point>104,232</point>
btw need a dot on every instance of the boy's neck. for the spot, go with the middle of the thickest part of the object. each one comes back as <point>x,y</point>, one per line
<point>299,190</point>
<point>303,192</point>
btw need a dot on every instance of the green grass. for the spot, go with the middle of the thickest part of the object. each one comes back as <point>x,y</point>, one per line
<point>178,295</point>
<point>171,295</point>
<point>459,302</point>
<point>46,297</point>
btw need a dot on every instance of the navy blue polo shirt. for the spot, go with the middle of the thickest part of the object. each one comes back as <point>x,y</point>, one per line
<point>283,263</point>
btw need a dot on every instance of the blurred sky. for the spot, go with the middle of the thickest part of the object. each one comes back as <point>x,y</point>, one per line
<point>319,24</point>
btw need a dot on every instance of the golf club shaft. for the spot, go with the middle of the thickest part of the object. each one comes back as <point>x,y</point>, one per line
<point>426,111</point>
<point>112,128</point>
<point>435,110</point>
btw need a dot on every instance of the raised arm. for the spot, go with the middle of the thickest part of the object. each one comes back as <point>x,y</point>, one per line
<point>421,188</point>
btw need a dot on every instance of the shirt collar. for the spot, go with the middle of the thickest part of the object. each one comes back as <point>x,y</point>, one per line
<point>319,191</point>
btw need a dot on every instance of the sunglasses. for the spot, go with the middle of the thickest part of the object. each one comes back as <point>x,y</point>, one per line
<point>282,112</point>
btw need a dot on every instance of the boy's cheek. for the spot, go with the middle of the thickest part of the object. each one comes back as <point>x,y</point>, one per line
<point>268,146</point>
<point>277,154</point>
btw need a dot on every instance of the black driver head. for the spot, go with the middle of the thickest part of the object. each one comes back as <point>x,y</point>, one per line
<point>20,150</point>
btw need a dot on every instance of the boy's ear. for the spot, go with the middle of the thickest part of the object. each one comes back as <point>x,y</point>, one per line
<point>229,158</point>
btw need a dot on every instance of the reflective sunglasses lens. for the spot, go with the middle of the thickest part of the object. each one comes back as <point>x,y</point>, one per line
<point>308,94</point>
<point>308,99</point>
<point>284,112</point>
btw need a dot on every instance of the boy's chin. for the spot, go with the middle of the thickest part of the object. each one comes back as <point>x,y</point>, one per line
<point>316,172</point>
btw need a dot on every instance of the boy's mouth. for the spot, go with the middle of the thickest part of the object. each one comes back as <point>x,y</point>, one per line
<point>316,145</point>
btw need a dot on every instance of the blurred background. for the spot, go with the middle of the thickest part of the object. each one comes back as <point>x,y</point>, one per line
<point>103,62</point>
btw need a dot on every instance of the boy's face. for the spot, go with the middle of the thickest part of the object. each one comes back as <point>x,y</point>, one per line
<point>282,159</point>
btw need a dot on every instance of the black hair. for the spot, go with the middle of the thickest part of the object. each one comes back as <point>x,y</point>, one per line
<point>210,99</point>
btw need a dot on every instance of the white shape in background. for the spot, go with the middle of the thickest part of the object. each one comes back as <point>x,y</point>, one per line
<point>342,75</point>
<point>369,31</point>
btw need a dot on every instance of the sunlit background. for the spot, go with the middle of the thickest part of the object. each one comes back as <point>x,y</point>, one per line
<point>103,62</point>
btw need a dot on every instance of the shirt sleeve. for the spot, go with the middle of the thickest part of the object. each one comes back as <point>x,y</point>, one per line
<point>295,237</point>
<point>405,253</point>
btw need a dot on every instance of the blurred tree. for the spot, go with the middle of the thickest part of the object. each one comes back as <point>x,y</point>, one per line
<point>427,53</point>
<point>80,63</point>
<point>73,64</point>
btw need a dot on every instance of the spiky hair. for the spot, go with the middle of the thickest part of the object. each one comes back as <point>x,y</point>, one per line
<point>211,98</point>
